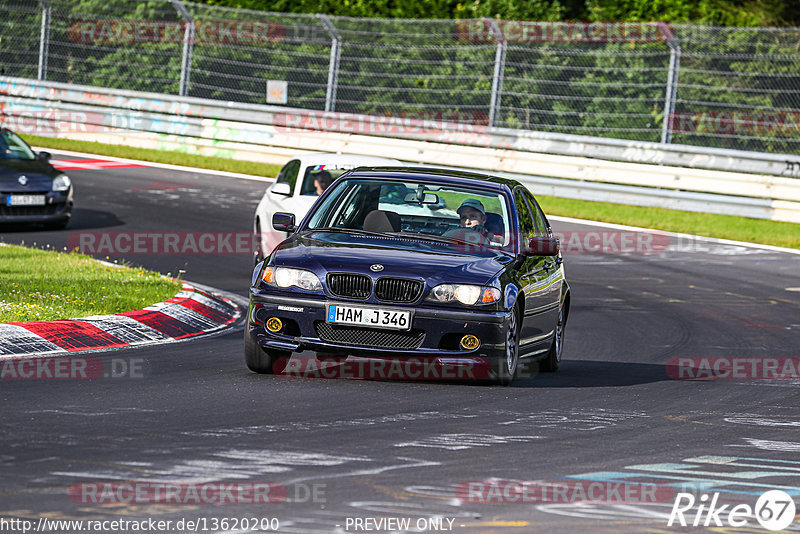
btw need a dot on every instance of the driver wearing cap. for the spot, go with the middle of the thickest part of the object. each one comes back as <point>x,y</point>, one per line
<point>473,217</point>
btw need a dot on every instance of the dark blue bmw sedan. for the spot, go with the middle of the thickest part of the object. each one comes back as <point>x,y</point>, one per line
<point>436,266</point>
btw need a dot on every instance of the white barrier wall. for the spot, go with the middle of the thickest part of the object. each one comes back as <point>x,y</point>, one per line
<point>272,134</point>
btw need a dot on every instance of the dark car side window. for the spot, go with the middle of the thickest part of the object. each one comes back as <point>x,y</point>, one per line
<point>289,173</point>
<point>13,147</point>
<point>539,220</point>
<point>527,226</point>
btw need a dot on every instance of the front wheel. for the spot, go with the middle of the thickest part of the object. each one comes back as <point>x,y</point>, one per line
<point>553,360</point>
<point>506,367</point>
<point>260,360</point>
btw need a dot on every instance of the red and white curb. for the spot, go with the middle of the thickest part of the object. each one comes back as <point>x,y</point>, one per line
<point>192,312</point>
<point>91,164</point>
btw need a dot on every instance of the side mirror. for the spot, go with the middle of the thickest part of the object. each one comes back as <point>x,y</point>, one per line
<point>44,156</point>
<point>543,246</point>
<point>283,222</point>
<point>281,188</point>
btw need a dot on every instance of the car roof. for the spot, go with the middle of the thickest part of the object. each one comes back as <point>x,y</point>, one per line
<point>322,158</point>
<point>435,175</point>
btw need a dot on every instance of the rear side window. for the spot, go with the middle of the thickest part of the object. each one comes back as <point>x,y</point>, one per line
<point>527,224</point>
<point>539,220</point>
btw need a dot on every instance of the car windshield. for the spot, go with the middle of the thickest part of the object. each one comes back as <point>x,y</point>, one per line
<point>13,147</point>
<point>432,211</point>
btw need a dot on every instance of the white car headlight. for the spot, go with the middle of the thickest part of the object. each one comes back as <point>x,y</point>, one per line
<point>464,293</point>
<point>286,277</point>
<point>61,183</point>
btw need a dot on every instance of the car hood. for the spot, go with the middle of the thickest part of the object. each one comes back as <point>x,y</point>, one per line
<point>434,262</point>
<point>39,173</point>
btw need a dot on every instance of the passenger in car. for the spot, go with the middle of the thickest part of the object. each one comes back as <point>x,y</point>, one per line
<point>322,180</point>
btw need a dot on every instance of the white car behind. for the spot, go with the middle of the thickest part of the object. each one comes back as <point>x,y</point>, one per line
<point>294,191</point>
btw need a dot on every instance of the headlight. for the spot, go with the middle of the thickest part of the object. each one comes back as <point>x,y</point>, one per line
<point>61,183</point>
<point>285,277</point>
<point>465,294</point>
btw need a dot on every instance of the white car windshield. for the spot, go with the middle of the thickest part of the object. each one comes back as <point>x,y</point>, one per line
<point>424,209</point>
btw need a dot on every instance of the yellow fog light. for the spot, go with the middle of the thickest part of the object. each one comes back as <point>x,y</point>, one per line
<point>274,324</point>
<point>469,342</point>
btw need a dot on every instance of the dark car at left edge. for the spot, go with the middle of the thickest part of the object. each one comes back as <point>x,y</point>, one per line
<point>31,189</point>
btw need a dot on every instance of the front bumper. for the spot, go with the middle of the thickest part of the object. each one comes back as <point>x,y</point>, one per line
<point>440,330</point>
<point>57,208</point>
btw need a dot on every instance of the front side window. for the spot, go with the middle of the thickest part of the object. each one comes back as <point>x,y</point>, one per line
<point>289,173</point>
<point>13,147</point>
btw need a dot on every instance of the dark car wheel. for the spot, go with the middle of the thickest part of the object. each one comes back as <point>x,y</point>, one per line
<point>551,362</point>
<point>506,367</point>
<point>260,360</point>
<point>57,225</point>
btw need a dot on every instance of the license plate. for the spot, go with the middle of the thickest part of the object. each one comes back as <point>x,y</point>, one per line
<point>25,200</point>
<point>374,317</point>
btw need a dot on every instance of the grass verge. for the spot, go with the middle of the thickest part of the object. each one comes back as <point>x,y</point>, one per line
<point>779,234</point>
<point>156,156</point>
<point>43,285</point>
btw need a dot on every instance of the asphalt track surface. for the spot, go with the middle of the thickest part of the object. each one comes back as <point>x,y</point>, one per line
<point>405,449</point>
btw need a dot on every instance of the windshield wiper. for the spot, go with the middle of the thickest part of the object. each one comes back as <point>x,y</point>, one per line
<point>443,239</point>
<point>352,231</point>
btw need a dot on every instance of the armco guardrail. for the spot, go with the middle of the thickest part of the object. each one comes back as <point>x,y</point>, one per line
<point>260,132</point>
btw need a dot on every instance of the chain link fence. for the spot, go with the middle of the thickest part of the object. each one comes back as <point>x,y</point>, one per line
<point>719,87</point>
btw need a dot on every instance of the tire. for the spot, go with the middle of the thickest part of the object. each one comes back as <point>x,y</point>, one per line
<point>506,367</point>
<point>553,360</point>
<point>260,360</point>
<point>258,254</point>
<point>57,225</point>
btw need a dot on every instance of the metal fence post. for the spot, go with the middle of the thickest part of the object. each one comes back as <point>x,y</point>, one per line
<point>188,47</point>
<point>44,40</point>
<point>333,65</point>
<point>672,89</point>
<point>499,69</point>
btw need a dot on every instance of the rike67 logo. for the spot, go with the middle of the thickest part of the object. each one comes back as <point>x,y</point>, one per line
<point>774,510</point>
